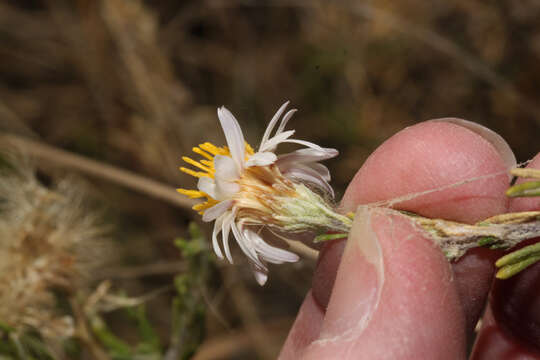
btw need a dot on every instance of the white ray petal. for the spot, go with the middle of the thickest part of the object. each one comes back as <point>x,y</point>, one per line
<point>305,143</point>
<point>331,152</point>
<point>271,125</point>
<point>271,144</point>
<point>321,169</point>
<point>306,156</point>
<point>286,165</point>
<point>207,185</point>
<point>260,273</point>
<point>225,189</point>
<point>305,173</point>
<point>225,175</point>
<point>225,168</point>
<point>217,210</point>
<point>215,232</point>
<point>261,159</point>
<point>233,135</point>
<point>226,227</point>
<point>285,120</point>
<point>268,252</point>
<point>245,245</point>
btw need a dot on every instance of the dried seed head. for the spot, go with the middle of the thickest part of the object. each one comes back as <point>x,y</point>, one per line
<point>47,242</point>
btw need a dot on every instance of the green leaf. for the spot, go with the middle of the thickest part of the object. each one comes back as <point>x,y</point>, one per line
<point>328,237</point>
<point>5,327</point>
<point>519,255</point>
<point>188,308</point>
<point>146,330</point>
<point>508,271</point>
<point>515,262</point>
<point>115,346</point>
<point>527,189</point>
<point>34,345</point>
<point>487,240</point>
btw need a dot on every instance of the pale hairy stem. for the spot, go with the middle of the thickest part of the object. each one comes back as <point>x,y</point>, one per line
<point>501,231</point>
<point>526,173</point>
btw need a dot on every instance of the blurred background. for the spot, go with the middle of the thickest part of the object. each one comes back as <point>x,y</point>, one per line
<point>135,85</point>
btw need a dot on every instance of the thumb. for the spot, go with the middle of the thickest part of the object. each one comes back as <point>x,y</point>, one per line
<point>394,296</point>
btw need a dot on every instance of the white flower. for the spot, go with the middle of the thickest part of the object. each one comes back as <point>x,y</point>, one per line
<point>246,189</point>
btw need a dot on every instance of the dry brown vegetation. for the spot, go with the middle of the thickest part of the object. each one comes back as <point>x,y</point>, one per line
<point>134,84</point>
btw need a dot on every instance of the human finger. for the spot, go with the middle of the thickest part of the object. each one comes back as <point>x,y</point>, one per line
<point>403,165</point>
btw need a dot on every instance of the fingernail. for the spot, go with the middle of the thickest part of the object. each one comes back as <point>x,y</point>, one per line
<point>359,281</point>
<point>500,145</point>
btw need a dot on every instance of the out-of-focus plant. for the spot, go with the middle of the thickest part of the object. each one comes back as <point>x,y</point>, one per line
<point>188,310</point>
<point>50,241</point>
<point>148,347</point>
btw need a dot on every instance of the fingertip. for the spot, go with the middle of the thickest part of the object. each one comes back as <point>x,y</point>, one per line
<point>305,329</point>
<point>496,140</point>
<point>413,310</point>
<point>325,272</point>
<point>432,155</point>
<point>473,274</point>
<point>428,156</point>
<point>359,281</point>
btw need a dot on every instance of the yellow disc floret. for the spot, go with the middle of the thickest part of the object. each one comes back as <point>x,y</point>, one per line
<point>206,166</point>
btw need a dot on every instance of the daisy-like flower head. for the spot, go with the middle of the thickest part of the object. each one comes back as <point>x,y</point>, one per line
<point>245,189</point>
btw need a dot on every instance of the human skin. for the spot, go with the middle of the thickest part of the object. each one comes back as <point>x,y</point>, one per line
<point>419,306</point>
<point>511,323</point>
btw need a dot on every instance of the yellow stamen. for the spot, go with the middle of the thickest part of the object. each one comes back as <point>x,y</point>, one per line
<point>249,149</point>
<point>202,153</point>
<point>214,150</point>
<point>208,151</point>
<point>195,163</point>
<point>194,194</point>
<point>197,174</point>
<point>205,205</point>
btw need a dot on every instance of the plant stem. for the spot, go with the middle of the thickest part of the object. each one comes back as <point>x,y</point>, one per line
<point>95,168</point>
